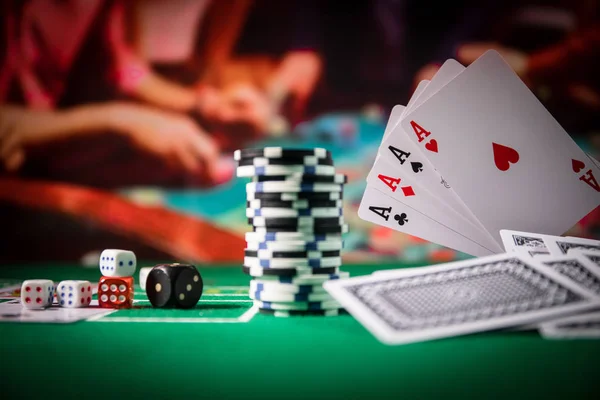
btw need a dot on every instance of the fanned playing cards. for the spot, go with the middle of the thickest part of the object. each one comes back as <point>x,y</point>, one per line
<point>475,152</point>
<point>474,162</point>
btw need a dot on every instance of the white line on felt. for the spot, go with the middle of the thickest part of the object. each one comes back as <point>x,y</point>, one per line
<point>98,316</point>
<point>173,320</point>
<point>248,315</point>
<point>227,287</point>
<point>211,294</point>
<point>226,301</point>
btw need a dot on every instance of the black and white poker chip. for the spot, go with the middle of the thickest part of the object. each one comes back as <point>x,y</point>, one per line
<point>295,207</point>
<point>280,152</point>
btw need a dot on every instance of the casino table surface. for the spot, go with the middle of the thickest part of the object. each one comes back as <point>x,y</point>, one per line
<point>222,349</point>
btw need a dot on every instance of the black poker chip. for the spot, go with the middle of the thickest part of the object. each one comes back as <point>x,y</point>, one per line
<point>293,254</point>
<point>293,204</point>
<point>304,221</point>
<point>304,178</point>
<point>319,229</point>
<point>302,313</point>
<point>280,152</point>
<point>299,271</point>
<point>284,161</point>
<point>293,196</point>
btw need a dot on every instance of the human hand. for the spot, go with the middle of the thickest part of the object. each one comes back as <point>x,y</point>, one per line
<point>237,105</point>
<point>12,154</point>
<point>16,131</point>
<point>175,138</point>
<point>298,73</point>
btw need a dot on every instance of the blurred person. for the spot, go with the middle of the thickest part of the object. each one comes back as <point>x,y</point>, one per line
<point>130,50</point>
<point>195,63</point>
<point>59,94</point>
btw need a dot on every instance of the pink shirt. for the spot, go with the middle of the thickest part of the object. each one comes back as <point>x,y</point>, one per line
<point>51,34</point>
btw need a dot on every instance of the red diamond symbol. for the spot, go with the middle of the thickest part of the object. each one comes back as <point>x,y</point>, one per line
<point>408,191</point>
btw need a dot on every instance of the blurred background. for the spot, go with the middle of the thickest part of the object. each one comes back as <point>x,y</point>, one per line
<point>118,119</point>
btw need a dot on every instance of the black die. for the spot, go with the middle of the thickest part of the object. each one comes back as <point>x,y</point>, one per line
<point>174,285</point>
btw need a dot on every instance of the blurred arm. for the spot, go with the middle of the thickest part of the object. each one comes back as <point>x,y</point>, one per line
<point>135,77</point>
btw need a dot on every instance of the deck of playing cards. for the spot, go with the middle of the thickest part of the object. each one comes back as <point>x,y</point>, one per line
<point>475,162</point>
<point>472,153</point>
<point>543,282</point>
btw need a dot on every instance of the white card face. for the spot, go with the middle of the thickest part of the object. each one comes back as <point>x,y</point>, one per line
<point>559,246</point>
<point>514,240</point>
<point>596,162</point>
<point>421,87</point>
<point>418,304</point>
<point>381,209</point>
<point>505,156</point>
<point>407,159</point>
<point>393,182</point>
<point>582,326</point>
<point>13,311</point>
<point>395,114</point>
<point>531,252</point>
<point>448,71</point>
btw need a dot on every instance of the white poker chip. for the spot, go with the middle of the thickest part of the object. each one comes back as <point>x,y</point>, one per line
<point>280,152</point>
<point>277,254</point>
<point>288,272</point>
<point>291,187</point>
<point>295,196</point>
<point>297,221</point>
<point>266,295</point>
<point>298,305</point>
<point>292,262</point>
<point>306,230</point>
<point>297,205</point>
<point>302,178</point>
<point>302,313</point>
<point>306,161</point>
<point>296,245</point>
<point>305,279</point>
<point>249,171</point>
<point>288,212</point>
<point>260,284</point>
<point>292,236</point>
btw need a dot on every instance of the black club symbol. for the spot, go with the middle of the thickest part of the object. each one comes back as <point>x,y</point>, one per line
<point>401,218</point>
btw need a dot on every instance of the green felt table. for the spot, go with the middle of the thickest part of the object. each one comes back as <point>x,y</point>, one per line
<point>220,350</point>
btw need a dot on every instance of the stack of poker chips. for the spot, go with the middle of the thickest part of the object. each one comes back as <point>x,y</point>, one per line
<point>294,204</point>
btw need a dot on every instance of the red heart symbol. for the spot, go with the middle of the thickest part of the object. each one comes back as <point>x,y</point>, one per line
<point>577,165</point>
<point>432,145</point>
<point>503,156</point>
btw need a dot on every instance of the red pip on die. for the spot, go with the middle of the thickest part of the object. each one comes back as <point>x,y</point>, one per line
<point>115,292</point>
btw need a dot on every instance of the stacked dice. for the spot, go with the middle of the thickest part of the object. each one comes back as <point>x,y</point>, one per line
<point>115,288</point>
<point>294,204</point>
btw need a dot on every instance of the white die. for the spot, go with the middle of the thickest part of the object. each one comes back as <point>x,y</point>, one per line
<point>37,294</point>
<point>144,276</point>
<point>117,263</point>
<point>72,294</point>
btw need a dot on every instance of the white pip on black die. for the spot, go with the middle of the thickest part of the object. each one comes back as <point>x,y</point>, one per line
<point>117,263</point>
<point>74,294</point>
<point>37,294</point>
